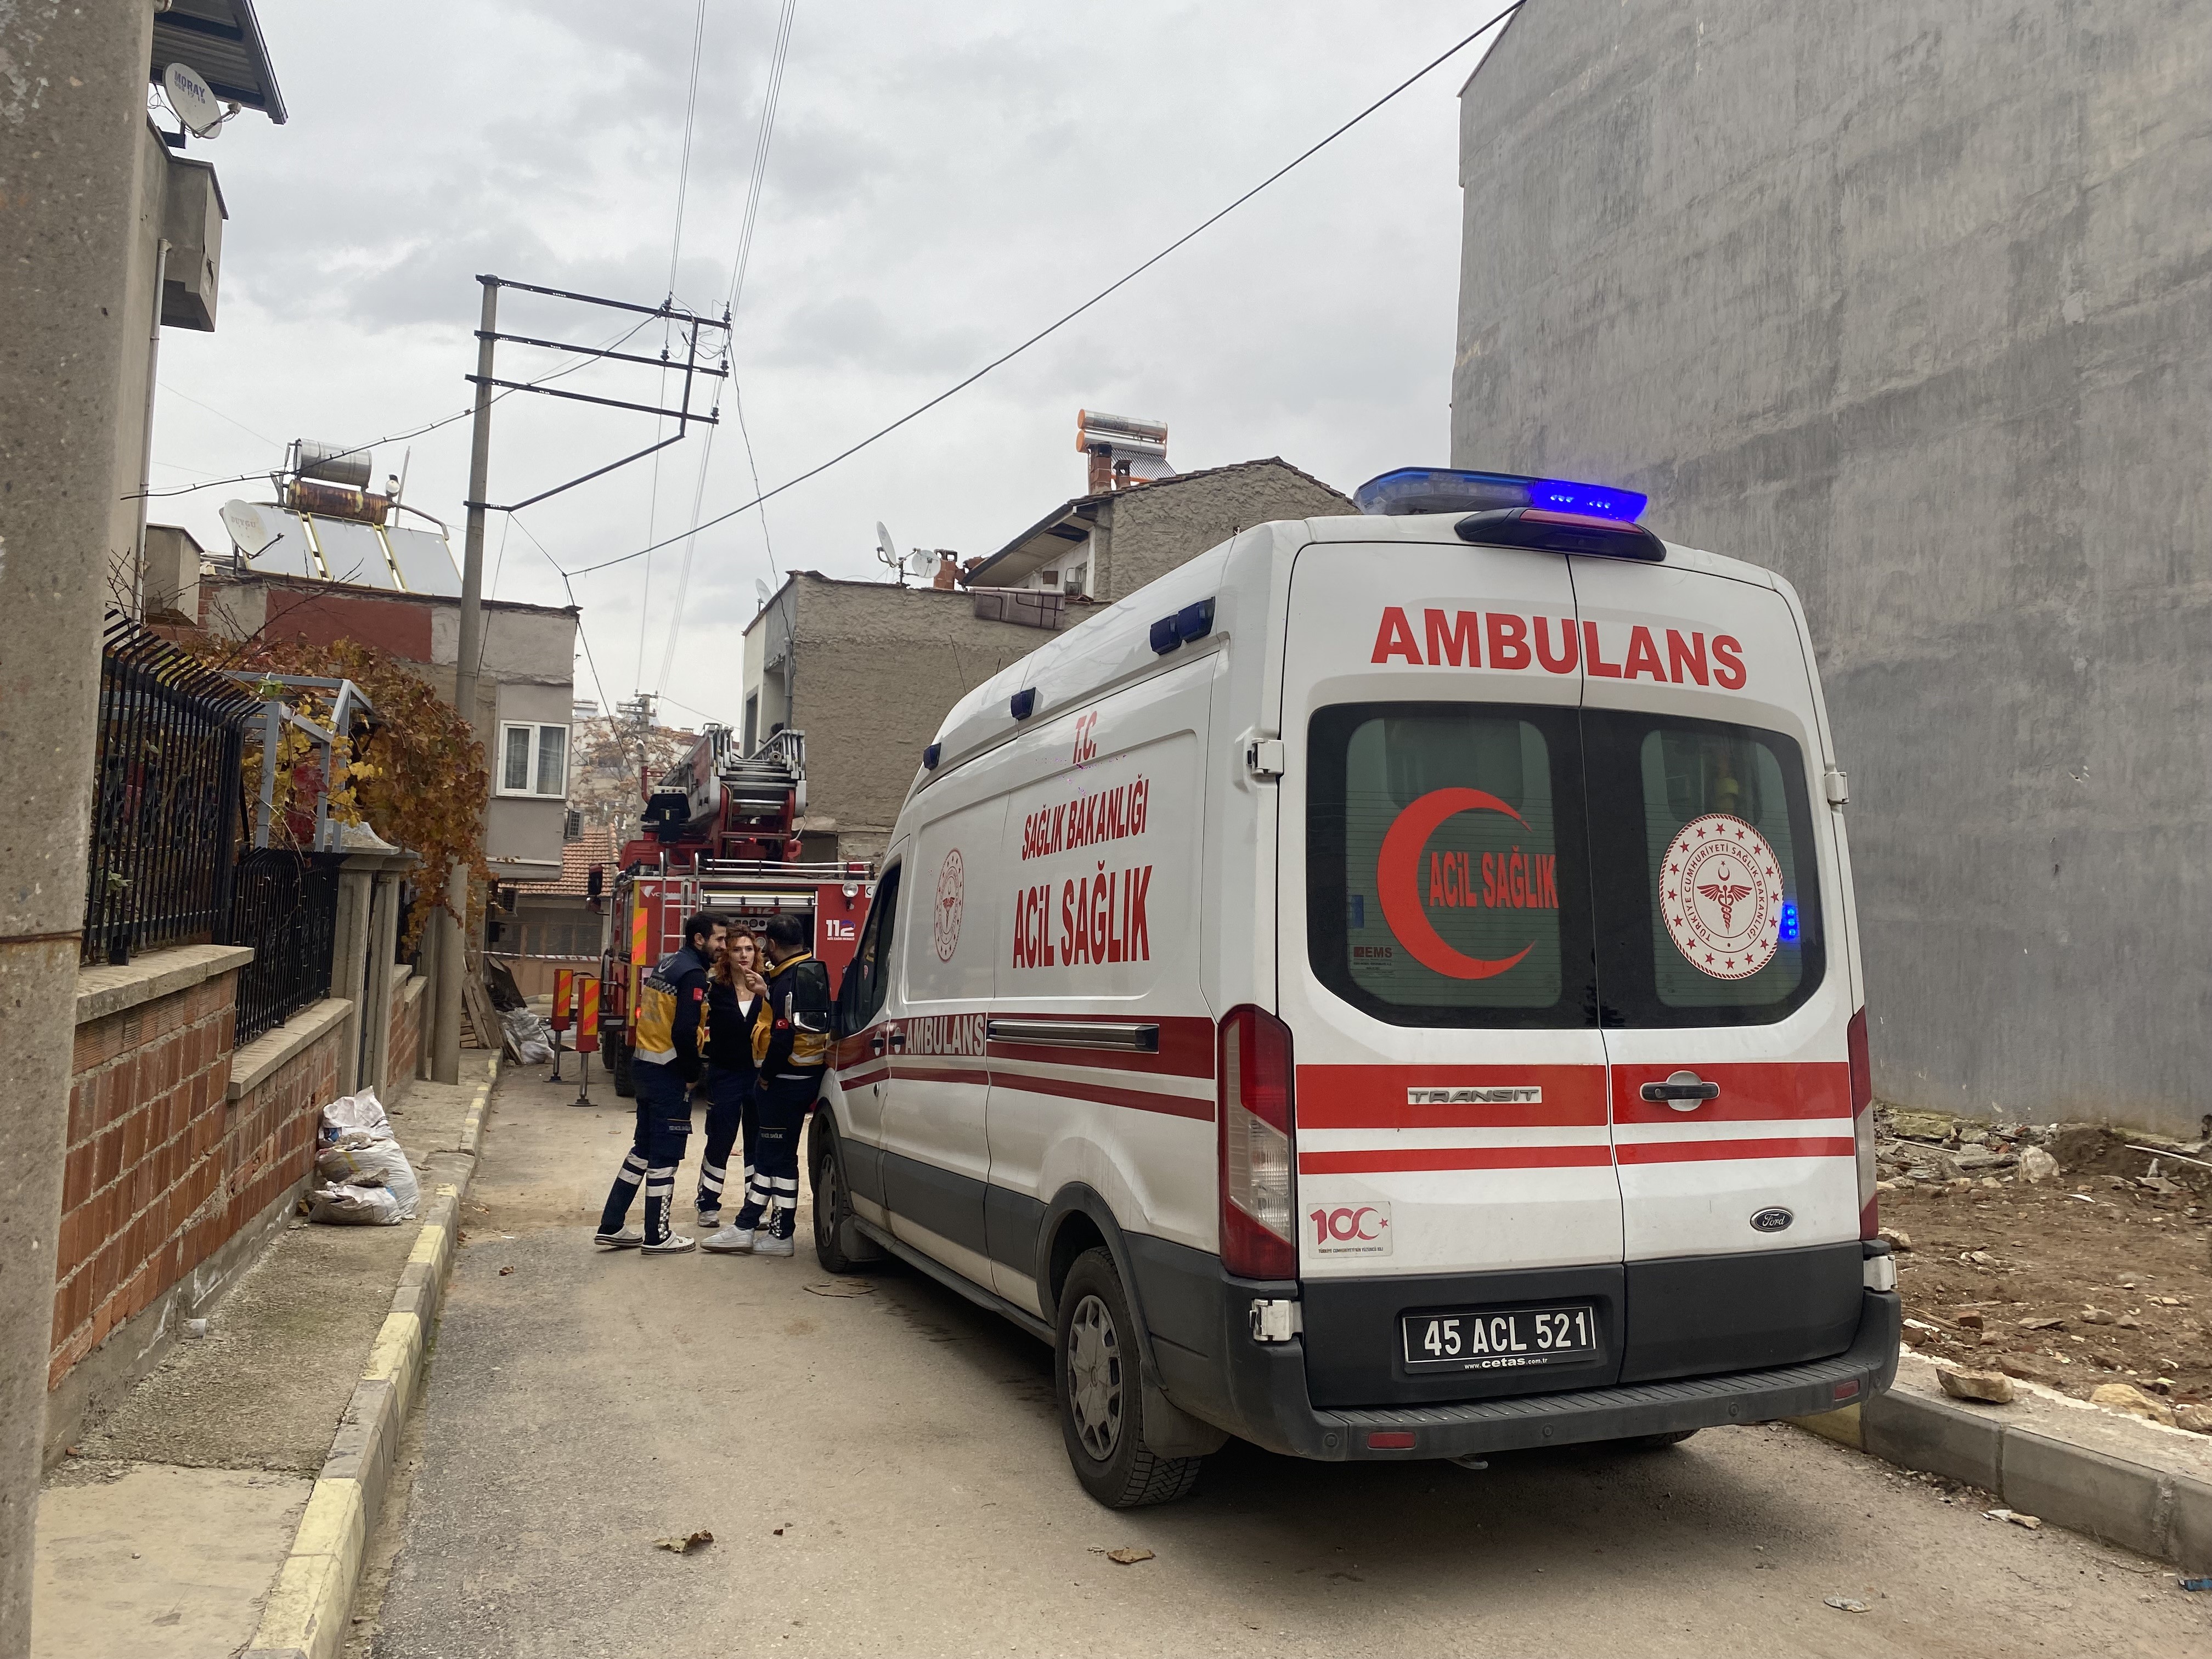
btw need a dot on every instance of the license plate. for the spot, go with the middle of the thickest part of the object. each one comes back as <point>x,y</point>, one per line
<point>1487,1339</point>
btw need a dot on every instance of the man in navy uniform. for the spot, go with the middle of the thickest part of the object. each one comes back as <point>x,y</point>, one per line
<point>669,1033</point>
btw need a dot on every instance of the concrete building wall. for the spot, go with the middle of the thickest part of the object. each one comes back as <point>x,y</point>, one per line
<point>148,193</point>
<point>1913,303</point>
<point>876,667</point>
<point>1147,532</point>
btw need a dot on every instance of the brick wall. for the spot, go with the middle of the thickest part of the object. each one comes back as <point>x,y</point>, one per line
<point>405,1052</point>
<point>163,1168</point>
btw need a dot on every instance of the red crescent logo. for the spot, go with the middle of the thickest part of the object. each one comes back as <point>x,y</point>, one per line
<point>1398,876</point>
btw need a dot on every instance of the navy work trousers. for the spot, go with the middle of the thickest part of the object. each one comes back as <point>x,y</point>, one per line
<point>774,1117</point>
<point>727,1120</point>
<point>664,1124</point>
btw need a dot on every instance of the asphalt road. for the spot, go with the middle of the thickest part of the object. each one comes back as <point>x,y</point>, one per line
<point>882,1474</point>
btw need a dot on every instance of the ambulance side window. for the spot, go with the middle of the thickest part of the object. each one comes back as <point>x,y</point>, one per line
<point>868,979</point>
<point>1445,873</point>
<point>1709,892</point>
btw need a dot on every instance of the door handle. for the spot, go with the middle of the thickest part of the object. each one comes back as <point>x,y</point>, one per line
<point>898,1041</point>
<point>1684,1090</point>
<point>876,1044</point>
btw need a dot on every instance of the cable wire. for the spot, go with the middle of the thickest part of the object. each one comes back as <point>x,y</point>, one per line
<point>613,343</point>
<point>1061,322</point>
<point>675,257</point>
<point>583,638</point>
<point>754,185</point>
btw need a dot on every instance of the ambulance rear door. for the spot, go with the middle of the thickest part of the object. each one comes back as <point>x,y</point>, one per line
<point>1459,1219</point>
<point>1723,983</point>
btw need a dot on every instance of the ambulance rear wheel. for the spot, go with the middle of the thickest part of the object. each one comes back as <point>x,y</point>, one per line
<point>618,1067</point>
<point>1102,1408</point>
<point>1656,1442</point>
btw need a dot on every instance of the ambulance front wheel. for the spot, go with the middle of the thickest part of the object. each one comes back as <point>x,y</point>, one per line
<point>838,1244</point>
<point>1101,1402</point>
<point>618,1068</point>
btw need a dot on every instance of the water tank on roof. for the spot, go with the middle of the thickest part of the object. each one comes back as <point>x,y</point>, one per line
<point>332,463</point>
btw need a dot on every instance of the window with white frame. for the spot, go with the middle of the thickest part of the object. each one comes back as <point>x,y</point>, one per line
<point>533,760</point>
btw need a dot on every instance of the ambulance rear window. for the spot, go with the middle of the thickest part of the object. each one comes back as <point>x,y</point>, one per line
<point>1708,893</point>
<point>1445,880</point>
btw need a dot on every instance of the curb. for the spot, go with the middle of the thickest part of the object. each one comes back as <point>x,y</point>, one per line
<point>2150,1511</point>
<point>305,1616</point>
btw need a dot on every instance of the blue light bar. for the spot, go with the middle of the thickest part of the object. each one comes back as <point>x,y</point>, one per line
<point>1789,922</point>
<point>1595,501</point>
<point>1452,489</point>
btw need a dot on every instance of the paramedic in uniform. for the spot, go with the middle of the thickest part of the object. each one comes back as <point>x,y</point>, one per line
<point>791,1046</point>
<point>730,1004</point>
<point>672,1035</point>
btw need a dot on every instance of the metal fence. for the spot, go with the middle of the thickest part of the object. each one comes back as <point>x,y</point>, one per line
<point>285,905</point>
<point>165,820</point>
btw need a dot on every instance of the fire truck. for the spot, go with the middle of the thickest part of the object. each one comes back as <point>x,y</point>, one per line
<point>720,833</point>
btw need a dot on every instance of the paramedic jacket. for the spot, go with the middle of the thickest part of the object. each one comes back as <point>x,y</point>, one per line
<point>670,1026</point>
<point>791,1028</point>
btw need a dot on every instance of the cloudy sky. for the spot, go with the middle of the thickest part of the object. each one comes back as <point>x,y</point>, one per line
<point>942,181</point>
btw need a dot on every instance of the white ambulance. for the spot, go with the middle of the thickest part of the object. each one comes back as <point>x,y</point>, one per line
<point>1386,989</point>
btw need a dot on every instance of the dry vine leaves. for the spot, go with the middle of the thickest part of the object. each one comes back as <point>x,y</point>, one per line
<point>418,778</point>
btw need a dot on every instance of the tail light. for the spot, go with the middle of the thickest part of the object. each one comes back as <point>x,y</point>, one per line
<point>1862,1126</point>
<point>1258,1240</point>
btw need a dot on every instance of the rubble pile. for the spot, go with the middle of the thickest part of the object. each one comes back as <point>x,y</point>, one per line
<point>2075,1256</point>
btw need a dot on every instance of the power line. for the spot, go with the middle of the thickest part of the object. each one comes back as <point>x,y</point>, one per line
<point>754,185</point>
<point>1061,322</point>
<point>582,638</point>
<point>391,438</point>
<point>172,392</point>
<point>675,257</point>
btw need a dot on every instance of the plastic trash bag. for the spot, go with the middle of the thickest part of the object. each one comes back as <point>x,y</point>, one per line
<point>343,1206</point>
<point>527,1037</point>
<point>371,1162</point>
<point>363,1111</point>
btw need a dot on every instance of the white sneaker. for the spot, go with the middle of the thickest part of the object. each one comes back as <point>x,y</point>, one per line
<point>710,1220</point>
<point>628,1239</point>
<point>774,1246</point>
<point>674,1244</point>
<point>733,1240</point>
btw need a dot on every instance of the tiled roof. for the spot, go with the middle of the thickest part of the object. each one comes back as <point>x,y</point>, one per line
<point>577,858</point>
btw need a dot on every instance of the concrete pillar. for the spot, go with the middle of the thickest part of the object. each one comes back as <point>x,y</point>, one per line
<point>350,961</point>
<point>427,1013</point>
<point>72,117</point>
<point>383,946</point>
<point>442,1040</point>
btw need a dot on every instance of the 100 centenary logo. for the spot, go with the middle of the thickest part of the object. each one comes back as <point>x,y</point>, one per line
<point>1720,891</point>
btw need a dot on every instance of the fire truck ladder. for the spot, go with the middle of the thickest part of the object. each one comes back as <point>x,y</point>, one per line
<point>759,784</point>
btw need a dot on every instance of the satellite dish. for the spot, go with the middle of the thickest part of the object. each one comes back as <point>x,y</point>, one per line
<point>761,593</point>
<point>922,562</point>
<point>251,533</point>
<point>884,541</point>
<point>194,100</point>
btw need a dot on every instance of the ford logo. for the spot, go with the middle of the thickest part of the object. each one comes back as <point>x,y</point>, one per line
<point>1772,1219</point>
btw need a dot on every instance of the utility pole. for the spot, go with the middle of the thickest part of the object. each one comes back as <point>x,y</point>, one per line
<point>453,937</point>
<point>72,125</point>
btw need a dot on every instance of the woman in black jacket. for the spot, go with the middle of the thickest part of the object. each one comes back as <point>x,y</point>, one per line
<point>730,1008</point>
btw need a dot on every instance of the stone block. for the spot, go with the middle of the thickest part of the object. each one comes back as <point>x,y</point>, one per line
<point>2072,1486</point>
<point>1917,1432</point>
